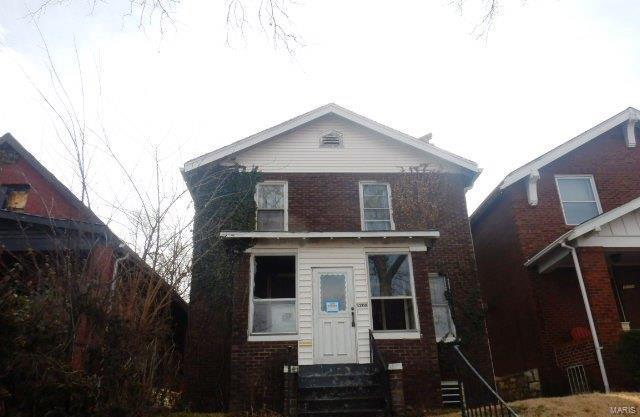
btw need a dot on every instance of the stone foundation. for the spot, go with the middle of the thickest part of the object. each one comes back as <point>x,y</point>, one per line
<point>519,386</point>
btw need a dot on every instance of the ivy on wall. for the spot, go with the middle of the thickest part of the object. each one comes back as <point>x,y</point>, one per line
<point>224,200</point>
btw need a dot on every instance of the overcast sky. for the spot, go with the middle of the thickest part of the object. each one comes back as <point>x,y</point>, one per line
<point>548,70</point>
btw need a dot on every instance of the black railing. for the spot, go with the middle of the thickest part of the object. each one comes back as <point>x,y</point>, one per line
<point>479,398</point>
<point>378,361</point>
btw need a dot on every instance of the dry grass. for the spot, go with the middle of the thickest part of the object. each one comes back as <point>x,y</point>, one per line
<point>586,405</point>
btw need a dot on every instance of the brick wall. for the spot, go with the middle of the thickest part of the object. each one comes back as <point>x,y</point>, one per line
<point>44,199</point>
<point>330,202</point>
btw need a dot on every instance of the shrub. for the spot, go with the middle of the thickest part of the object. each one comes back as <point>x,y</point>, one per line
<point>630,354</point>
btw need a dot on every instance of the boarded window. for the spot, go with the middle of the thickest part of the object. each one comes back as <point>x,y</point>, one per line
<point>14,197</point>
<point>274,295</point>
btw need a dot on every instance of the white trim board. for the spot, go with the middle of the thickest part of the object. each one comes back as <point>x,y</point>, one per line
<point>531,169</point>
<point>430,234</point>
<point>331,108</point>
<point>626,115</point>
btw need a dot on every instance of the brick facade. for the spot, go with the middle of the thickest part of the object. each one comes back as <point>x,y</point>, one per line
<point>331,202</point>
<point>530,315</point>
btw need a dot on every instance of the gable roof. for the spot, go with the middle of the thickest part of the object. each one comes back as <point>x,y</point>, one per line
<point>8,139</point>
<point>587,227</point>
<point>327,109</point>
<point>558,152</point>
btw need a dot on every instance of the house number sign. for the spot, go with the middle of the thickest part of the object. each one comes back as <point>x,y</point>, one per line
<point>362,305</point>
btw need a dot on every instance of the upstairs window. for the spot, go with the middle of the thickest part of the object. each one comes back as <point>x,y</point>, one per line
<point>14,197</point>
<point>442,318</point>
<point>392,297</point>
<point>578,197</point>
<point>274,295</point>
<point>376,206</point>
<point>271,204</point>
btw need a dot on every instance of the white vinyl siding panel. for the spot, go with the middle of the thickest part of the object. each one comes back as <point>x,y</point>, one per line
<point>362,150</point>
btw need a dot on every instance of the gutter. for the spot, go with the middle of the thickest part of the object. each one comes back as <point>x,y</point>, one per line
<point>587,307</point>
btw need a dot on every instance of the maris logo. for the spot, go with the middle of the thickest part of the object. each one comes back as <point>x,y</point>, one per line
<point>632,409</point>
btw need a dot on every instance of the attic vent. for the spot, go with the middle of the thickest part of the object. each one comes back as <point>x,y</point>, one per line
<point>332,139</point>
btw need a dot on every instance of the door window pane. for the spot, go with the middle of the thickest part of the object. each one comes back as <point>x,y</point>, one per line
<point>333,293</point>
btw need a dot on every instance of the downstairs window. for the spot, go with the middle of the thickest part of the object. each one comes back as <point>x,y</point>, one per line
<point>392,298</point>
<point>274,295</point>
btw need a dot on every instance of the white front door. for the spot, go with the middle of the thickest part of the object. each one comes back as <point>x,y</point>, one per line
<point>334,316</point>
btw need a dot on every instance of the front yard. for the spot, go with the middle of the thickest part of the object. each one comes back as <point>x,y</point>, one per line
<point>586,405</point>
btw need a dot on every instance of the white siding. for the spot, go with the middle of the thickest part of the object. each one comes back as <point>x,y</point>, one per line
<point>331,255</point>
<point>363,151</point>
<point>627,225</point>
<point>623,232</point>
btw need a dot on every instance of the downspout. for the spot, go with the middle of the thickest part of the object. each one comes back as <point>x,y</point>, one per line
<point>114,276</point>
<point>587,307</point>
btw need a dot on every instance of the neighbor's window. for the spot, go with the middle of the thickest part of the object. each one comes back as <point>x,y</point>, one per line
<point>14,197</point>
<point>578,197</point>
<point>274,295</point>
<point>442,319</point>
<point>376,206</point>
<point>392,298</point>
<point>271,204</point>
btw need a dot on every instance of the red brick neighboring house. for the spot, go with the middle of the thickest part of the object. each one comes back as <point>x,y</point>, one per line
<point>357,227</point>
<point>569,218</point>
<point>40,215</point>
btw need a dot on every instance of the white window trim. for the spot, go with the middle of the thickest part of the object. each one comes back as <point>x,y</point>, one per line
<point>394,334</point>
<point>449,337</point>
<point>593,188</point>
<point>361,192</point>
<point>265,337</point>
<point>285,197</point>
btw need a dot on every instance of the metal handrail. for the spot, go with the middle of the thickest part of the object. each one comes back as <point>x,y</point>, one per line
<point>378,361</point>
<point>485,409</point>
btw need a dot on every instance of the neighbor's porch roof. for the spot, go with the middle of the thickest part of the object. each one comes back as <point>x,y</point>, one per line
<point>619,228</point>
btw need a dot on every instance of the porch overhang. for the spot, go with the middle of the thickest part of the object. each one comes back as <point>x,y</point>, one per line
<point>425,235</point>
<point>617,228</point>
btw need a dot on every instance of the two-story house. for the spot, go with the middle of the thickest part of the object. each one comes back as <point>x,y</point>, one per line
<point>356,234</point>
<point>558,252</point>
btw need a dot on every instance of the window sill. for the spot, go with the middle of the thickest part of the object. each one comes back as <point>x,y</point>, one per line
<point>272,337</point>
<point>396,335</point>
